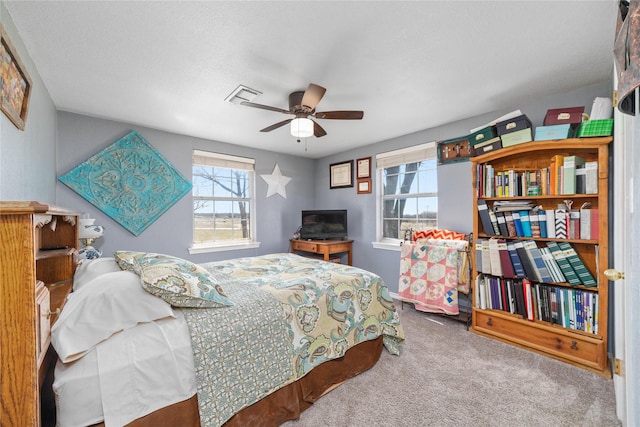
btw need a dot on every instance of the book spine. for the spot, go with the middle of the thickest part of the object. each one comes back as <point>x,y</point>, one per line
<point>542,220</point>
<point>538,262</point>
<point>585,224</point>
<point>515,260</point>
<point>517,223</point>
<point>560,257</point>
<point>561,223</point>
<point>551,223</point>
<point>585,276</point>
<point>526,223</point>
<point>494,222</point>
<point>505,260</point>
<point>511,227</point>
<point>483,211</point>
<point>591,180</point>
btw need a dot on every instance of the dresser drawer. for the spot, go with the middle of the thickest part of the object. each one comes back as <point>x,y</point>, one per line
<point>561,343</point>
<point>305,246</point>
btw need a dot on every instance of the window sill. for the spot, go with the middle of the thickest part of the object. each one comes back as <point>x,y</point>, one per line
<point>388,246</point>
<point>202,249</point>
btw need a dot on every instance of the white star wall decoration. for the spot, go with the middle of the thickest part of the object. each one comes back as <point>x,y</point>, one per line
<point>277,182</point>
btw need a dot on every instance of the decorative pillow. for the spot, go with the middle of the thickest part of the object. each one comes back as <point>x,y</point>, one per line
<point>435,233</point>
<point>90,269</point>
<point>106,305</point>
<point>126,259</point>
<point>179,282</point>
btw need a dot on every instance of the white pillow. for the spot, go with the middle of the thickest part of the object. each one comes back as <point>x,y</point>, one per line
<point>107,304</point>
<point>89,269</point>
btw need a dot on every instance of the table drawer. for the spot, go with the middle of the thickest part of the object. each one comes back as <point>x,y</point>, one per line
<point>561,343</point>
<point>305,246</point>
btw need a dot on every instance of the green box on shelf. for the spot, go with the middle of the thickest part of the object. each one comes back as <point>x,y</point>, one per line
<point>483,135</point>
<point>517,137</point>
<point>595,128</point>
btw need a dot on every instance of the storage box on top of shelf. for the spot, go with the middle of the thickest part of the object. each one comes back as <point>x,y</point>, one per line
<point>517,137</point>
<point>488,146</point>
<point>513,125</point>
<point>564,116</point>
<point>482,135</point>
<point>595,128</point>
<point>547,133</point>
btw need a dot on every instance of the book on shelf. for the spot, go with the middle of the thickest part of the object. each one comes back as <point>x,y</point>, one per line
<point>534,220</point>
<point>486,257</point>
<point>483,211</point>
<point>538,263</point>
<point>496,264</point>
<point>527,262</point>
<point>555,165</point>
<point>551,223</point>
<point>518,269</point>
<point>494,222</point>
<point>505,260</point>
<point>517,223</point>
<point>528,299</point>
<point>552,265</point>
<point>479,255</point>
<point>562,261</point>
<point>561,222</point>
<point>502,223</point>
<point>591,177</point>
<point>581,179</point>
<point>569,170</point>
<point>589,223</point>
<point>581,270</point>
<point>525,220</point>
<point>573,229</point>
<point>511,227</point>
<point>542,222</point>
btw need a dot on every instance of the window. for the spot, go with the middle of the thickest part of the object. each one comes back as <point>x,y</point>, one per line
<point>223,201</point>
<point>407,191</point>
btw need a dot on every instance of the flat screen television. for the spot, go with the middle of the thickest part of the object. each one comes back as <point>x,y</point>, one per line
<point>324,225</point>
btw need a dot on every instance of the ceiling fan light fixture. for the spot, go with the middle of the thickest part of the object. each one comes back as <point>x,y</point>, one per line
<point>302,127</point>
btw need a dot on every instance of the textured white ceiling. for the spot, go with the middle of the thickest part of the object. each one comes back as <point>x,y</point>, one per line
<point>410,65</point>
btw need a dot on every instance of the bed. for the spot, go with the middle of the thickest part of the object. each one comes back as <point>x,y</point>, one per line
<point>143,341</point>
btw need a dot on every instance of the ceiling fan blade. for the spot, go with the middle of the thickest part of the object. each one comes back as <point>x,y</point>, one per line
<point>340,115</point>
<point>276,126</point>
<point>312,96</point>
<point>317,130</point>
<point>265,107</point>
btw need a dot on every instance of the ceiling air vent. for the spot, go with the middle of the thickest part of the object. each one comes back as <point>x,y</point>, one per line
<point>241,94</point>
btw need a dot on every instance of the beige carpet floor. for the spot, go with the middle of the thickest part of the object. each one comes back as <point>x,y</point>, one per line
<point>447,376</point>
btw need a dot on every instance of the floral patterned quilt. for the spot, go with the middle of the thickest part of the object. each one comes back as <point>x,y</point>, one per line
<point>290,315</point>
<point>429,277</point>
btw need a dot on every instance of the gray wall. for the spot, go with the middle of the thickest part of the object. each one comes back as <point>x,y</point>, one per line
<point>28,171</point>
<point>28,158</point>
<point>277,218</point>
<point>454,180</point>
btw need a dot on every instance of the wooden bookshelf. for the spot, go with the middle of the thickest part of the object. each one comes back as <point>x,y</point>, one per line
<point>37,247</point>
<point>586,349</point>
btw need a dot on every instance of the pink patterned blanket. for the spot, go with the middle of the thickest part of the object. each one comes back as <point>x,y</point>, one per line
<point>429,277</point>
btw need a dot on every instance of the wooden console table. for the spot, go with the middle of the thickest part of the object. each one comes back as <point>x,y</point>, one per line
<point>323,247</point>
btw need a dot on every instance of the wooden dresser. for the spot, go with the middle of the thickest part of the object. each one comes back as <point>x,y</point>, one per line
<point>37,247</point>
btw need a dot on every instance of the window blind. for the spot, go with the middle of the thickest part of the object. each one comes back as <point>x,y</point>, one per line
<point>204,158</point>
<point>406,155</point>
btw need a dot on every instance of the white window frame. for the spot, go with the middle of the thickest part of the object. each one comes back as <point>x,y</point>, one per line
<point>229,162</point>
<point>426,151</point>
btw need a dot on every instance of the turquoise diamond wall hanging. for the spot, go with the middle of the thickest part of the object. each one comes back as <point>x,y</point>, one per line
<point>130,181</point>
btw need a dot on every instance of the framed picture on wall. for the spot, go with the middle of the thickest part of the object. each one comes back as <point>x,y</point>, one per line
<point>364,186</point>
<point>15,83</point>
<point>341,174</point>
<point>363,168</point>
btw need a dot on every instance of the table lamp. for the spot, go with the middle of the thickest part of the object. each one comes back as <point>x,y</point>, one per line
<point>88,232</point>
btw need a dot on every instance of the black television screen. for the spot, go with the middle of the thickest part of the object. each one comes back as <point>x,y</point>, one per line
<point>324,225</point>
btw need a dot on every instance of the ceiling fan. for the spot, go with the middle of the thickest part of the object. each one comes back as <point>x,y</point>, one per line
<point>302,105</point>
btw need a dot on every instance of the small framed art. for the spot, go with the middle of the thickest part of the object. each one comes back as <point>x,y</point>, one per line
<point>341,174</point>
<point>364,186</point>
<point>15,83</point>
<point>363,168</point>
